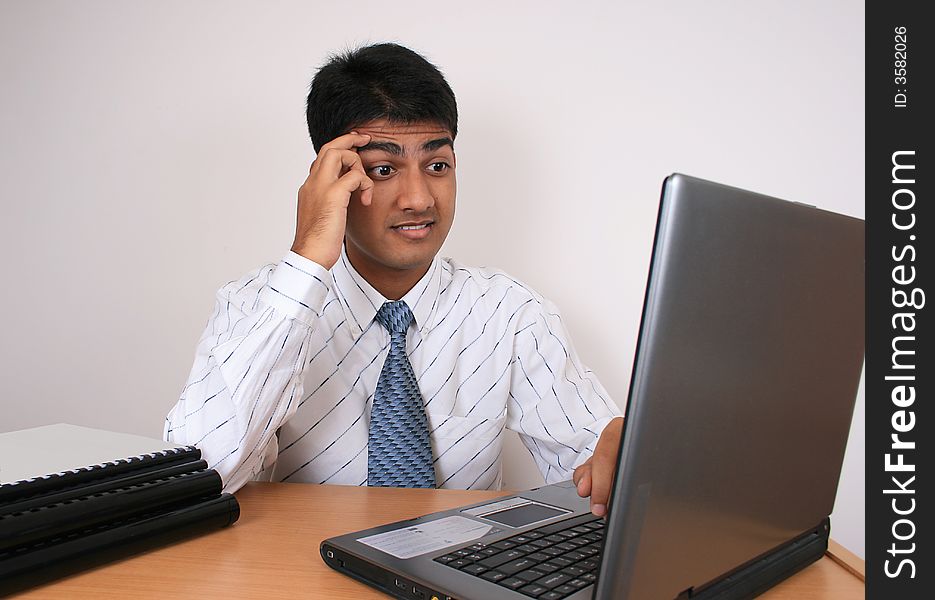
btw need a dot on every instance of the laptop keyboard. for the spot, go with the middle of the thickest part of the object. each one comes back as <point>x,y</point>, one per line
<point>548,563</point>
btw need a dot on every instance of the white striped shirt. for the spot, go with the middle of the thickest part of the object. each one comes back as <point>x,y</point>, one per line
<point>285,372</point>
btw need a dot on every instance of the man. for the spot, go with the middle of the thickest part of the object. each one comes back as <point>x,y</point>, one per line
<point>363,358</point>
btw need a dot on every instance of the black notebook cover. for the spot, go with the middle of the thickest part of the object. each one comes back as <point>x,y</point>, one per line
<point>54,521</point>
<point>73,497</point>
<point>32,565</point>
<point>50,458</point>
<point>100,485</point>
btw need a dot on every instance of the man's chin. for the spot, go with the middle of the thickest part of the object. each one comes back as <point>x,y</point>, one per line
<point>409,265</point>
<point>410,256</point>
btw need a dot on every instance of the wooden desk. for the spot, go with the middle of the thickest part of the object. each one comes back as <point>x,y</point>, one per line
<point>272,551</point>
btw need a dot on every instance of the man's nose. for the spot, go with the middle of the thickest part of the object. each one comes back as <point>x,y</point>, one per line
<point>415,193</point>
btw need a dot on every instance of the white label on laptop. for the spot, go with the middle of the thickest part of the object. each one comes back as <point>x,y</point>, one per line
<point>427,537</point>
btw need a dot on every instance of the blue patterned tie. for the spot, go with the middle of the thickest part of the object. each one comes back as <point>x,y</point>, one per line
<point>399,449</point>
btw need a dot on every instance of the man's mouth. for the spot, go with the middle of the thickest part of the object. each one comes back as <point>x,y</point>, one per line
<point>412,227</point>
<point>414,231</point>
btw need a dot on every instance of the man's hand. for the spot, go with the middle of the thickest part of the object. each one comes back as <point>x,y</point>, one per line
<point>323,198</point>
<point>595,477</point>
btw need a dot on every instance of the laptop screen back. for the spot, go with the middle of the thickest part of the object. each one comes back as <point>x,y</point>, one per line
<point>749,357</point>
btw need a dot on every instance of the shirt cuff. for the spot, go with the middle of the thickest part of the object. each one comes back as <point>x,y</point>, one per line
<point>297,287</point>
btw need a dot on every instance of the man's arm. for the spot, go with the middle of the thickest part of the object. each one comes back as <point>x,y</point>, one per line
<point>249,364</point>
<point>559,408</point>
<point>248,369</point>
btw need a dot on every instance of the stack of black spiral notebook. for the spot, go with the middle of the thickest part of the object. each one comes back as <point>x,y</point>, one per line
<point>73,497</point>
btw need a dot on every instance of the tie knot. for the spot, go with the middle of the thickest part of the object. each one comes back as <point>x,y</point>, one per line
<point>395,316</point>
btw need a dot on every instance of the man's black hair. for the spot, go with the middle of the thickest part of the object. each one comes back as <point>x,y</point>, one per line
<point>380,81</point>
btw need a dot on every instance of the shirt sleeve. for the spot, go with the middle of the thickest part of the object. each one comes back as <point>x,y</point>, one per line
<point>556,404</point>
<point>248,368</point>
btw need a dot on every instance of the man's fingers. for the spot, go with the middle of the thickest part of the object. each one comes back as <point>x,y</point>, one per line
<point>347,142</point>
<point>366,190</point>
<point>335,162</point>
<point>603,465</point>
<point>602,478</point>
<point>356,180</point>
<point>582,480</point>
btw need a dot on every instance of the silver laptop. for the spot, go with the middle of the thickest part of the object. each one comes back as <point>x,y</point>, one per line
<point>748,360</point>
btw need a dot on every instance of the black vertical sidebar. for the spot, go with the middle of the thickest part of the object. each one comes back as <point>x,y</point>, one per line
<point>900,369</point>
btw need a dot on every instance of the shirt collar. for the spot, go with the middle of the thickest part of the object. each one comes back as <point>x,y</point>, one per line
<point>361,301</point>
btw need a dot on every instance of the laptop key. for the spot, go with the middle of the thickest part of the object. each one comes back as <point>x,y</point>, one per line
<point>589,550</point>
<point>526,548</point>
<point>498,559</point>
<point>512,582</point>
<point>503,545</point>
<point>447,558</point>
<point>493,576</point>
<point>458,563</point>
<point>515,566</point>
<point>573,571</point>
<point>551,596</point>
<point>564,590</point>
<point>548,567</point>
<point>529,575</point>
<point>561,561</point>
<point>534,535</point>
<point>474,569</point>
<point>589,577</point>
<point>589,565</point>
<point>573,556</point>
<point>533,589</point>
<point>538,556</point>
<point>554,580</point>
<point>540,543</point>
<point>578,583</point>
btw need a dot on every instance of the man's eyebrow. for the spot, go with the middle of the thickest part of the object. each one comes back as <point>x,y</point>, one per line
<point>436,144</point>
<point>388,147</point>
<point>396,149</point>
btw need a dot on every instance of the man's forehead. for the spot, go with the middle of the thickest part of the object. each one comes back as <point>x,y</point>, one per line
<point>383,128</point>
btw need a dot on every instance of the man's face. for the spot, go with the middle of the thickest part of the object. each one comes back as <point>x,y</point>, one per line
<point>413,172</point>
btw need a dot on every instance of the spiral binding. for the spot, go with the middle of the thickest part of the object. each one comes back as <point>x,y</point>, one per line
<point>16,490</point>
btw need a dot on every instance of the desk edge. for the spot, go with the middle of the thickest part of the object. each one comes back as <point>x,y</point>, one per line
<point>846,559</point>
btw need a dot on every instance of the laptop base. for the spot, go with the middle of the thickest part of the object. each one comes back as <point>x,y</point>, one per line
<point>762,574</point>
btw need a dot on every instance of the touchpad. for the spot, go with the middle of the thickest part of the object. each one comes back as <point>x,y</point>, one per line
<point>525,514</point>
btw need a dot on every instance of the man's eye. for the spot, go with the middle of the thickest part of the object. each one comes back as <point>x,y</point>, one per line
<point>439,167</point>
<point>382,171</point>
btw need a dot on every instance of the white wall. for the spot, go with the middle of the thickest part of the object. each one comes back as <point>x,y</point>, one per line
<point>150,152</point>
